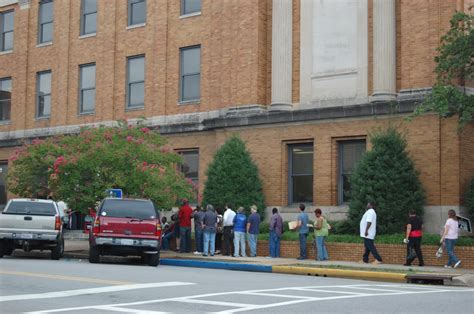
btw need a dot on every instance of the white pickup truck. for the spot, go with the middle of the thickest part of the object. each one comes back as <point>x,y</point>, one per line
<point>31,224</point>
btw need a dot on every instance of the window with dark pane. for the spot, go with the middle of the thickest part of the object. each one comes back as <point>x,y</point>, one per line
<point>87,88</point>
<point>5,98</point>
<point>88,17</point>
<point>45,21</point>
<point>43,94</point>
<point>350,152</point>
<point>136,82</point>
<point>6,30</point>
<point>300,170</point>
<point>190,166</point>
<point>190,76</point>
<point>3,183</point>
<point>136,12</point>
<point>190,6</point>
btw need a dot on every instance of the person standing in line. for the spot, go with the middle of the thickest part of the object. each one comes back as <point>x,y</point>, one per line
<point>177,233</point>
<point>321,231</point>
<point>184,215</point>
<point>220,230</point>
<point>209,225</point>
<point>414,235</point>
<point>198,216</point>
<point>450,237</point>
<point>303,230</point>
<point>240,222</point>
<point>229,215</point>
<point>253,225</point>
<point>367,228</point>
<point>276,230</point>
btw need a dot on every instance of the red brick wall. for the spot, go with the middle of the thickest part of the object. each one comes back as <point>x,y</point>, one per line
<point>352,252</point>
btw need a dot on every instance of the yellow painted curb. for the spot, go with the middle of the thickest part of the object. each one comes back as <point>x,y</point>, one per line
<point>341,273</point>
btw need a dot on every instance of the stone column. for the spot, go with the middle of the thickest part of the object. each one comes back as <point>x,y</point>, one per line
<point>384,64</point>
<point>282,47</point>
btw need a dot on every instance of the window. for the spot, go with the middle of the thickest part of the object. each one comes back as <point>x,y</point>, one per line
<point>6,30</point>
<point>300,172</point>
<point>190,168</point>
<point>88,17</point>
<point>136,82</point>
<point>190,6</point>
<point>350,153</point>
<point>190,76</point>
<point>45,21</point>
<point>43,94</point>
<point>3,183</point>
<point>87,88</point>
<point>136,12</point>
<point>5,98</point>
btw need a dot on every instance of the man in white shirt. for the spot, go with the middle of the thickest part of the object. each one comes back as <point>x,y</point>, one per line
<point>228,222</point>
<point>368,226</point>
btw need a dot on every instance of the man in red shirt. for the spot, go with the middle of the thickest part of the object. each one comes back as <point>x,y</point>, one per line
<point>184,216</point>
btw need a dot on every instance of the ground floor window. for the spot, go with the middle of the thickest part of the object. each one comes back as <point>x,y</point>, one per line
<point>190,167</point>
<point>300,173</point>
<point>3,183</point>
<point>350,152</point>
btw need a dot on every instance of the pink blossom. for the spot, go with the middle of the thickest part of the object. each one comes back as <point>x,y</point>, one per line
<point>36,141</point>
<point>145,130</point>
<point>145,163</point>
<point>162,170</point>
<point>165,149</point>
<point>129,138</point>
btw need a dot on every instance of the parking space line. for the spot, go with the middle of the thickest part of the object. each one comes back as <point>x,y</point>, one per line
<point>278,295</point>
<point>70,293</point>
<point>68,278</point>
<point>210,302</point>
<point>124,310</point>
<point>388,290</point>
<point>328,291</point>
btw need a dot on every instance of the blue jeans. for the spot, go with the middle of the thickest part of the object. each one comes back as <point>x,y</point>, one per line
<point>253,244</point>
<point>165,241</point>
<point>209,242</point>
<point>198,238</point>
<point>274,244</point>
<point>239,242</point>
<point>185,244</point>
<point>370,248</point>
<point>303,237</point>
<point>452,258</point>
<point>322,252</point>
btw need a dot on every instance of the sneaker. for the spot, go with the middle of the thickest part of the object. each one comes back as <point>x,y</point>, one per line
<point>447,266</point>
<point>363,262</point>
<point>376,262</point>
<point>197,253</point>
<point>212,254</point>
<point>406,264</point>
<point>204,255</point>
<point>300,258</point>
<point>457,264</point>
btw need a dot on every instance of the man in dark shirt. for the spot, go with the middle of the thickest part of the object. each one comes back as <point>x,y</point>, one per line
<point>209,224</point>
<point>198,216</point>
<point>414,235</point>
<point>276,230</point>
<point>253,225</point>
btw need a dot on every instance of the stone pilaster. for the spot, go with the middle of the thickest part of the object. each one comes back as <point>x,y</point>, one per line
<point>282,47</point>
<point>384,66</point>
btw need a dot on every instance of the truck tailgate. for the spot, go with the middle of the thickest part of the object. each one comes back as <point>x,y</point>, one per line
<point>27,223</point>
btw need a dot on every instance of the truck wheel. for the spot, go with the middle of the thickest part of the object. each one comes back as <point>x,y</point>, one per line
<point>154,259</point>
<point>2,249</point>
<point>94,256</point>
<point>8,251</point>
<point>58,251</point>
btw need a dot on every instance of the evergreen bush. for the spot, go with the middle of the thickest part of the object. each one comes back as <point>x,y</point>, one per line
<point>232,178</point>
<point>387,176</point>
<point>469,200</point>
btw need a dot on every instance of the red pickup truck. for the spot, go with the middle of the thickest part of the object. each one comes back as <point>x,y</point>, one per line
<point>125,227</point>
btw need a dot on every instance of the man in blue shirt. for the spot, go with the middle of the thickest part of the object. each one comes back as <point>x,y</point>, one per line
<point>303,231</point>
<point>253,224</point>
<point>240,222</point>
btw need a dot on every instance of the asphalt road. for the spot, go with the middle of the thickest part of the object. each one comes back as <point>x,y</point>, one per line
<point>35,284</point>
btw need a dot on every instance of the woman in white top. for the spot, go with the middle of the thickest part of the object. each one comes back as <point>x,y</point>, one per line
<point>450,237</point>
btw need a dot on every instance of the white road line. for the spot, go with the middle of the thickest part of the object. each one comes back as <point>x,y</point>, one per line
<point>391,290</point>
<point>123,310</point>
<point>328,291</point>
<point>278,295</point>
<point>256,307</point>
<point>70,293</point>
<point>209,302</point>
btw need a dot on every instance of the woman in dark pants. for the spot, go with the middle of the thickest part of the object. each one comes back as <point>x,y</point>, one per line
<point>414,235</point>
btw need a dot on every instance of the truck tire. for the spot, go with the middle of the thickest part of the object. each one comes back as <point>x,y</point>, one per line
<point>2,249</point>
<point>8,251</point>
<point>94,254</point>
<point>58,251</point>
<point>154,259</point>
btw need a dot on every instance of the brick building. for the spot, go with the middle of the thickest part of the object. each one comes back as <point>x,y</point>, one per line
<point>303,82</point>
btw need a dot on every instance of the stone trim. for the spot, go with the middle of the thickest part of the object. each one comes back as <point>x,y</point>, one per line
<point>4,3</point>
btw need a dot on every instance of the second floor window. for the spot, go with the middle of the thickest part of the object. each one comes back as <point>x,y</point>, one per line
<point>87,88</point>
<point>45,21</point>
<point>136,12</point>
<point>5,98</point>
<point>136,82</point>
<point>43,94</point>
<point>190,74</point>
<point>190,6</point>
<point>6,30</point>
<point>88,17</point>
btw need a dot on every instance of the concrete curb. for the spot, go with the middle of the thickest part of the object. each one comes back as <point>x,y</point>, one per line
<point>341,273</point>
<point>216,265</point>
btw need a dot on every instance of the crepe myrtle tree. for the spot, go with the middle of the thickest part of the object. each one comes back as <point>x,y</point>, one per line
<point>79,168</point>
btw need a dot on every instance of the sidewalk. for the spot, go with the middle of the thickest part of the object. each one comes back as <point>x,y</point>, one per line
<point>384,272</point>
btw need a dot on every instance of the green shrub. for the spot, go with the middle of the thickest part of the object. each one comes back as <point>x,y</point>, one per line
<point>387,176</point>
<point>469,200</point>
<point>232,178</point>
